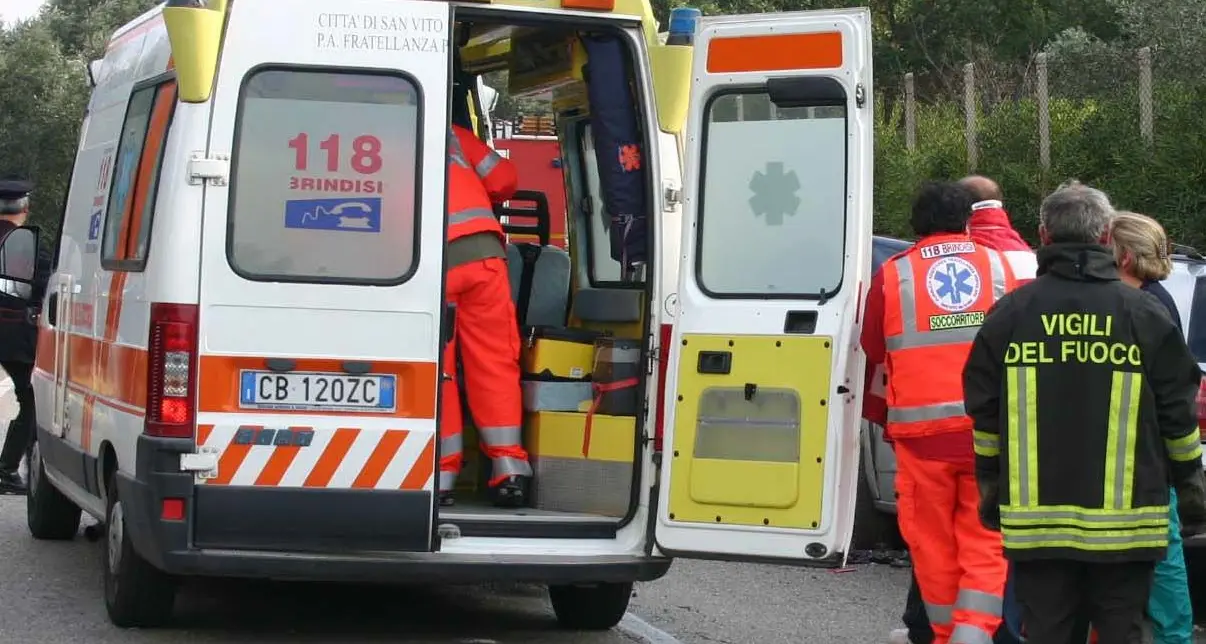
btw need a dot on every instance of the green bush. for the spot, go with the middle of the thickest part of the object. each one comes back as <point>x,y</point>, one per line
<point>1094,140</point>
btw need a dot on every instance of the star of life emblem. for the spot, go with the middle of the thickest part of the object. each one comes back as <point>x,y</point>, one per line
<point>953,284</point>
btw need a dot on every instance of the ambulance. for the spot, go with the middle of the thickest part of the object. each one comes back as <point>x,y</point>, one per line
<point>239,352</point>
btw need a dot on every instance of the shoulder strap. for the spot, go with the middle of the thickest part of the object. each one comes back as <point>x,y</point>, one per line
<point>530,253</point>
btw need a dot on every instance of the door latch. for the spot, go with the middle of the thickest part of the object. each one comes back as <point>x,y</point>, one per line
<point>204,463</point>
<point>672,196</point>
<point>213,169</point>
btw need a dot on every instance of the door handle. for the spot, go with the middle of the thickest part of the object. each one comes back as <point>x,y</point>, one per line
<point>715,362</point>
<point>52,309</point>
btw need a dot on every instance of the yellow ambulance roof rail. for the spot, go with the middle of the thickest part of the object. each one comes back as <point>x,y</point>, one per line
<point>195,32</point>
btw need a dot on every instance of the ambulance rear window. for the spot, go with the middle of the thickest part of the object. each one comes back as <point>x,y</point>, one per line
<point>772,202</point>
<point>325,175</point>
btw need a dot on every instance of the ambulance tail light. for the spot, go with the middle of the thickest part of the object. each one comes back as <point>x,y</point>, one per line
<point>172,371</point>
<point>589,5</point>
<point>663,364</point>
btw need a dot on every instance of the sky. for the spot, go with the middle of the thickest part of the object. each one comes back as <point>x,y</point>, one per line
<point>13,10</point>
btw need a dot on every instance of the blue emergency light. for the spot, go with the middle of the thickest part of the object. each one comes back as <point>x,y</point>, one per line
<point>683,22</point>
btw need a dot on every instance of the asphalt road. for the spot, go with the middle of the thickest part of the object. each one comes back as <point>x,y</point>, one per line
<point>50,593</point>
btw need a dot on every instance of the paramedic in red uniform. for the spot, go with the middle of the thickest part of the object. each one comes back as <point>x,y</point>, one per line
<point>486,335</point>
<point>923,310</point>
<point>990,226</point>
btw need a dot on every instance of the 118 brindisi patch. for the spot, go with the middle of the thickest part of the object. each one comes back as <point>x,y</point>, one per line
<point>956,320</point>
<point>947,248</point>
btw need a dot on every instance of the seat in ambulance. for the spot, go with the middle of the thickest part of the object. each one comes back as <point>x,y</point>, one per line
<point>540,272</point>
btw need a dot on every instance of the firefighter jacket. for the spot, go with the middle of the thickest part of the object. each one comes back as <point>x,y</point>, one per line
<point>934,297</point>
<point>1083,396</point>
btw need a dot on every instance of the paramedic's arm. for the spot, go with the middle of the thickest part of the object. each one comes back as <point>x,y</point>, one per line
<point>1174,376</point>
<point>498,175</point>
<point>872,338</point>
<point>982,374</point>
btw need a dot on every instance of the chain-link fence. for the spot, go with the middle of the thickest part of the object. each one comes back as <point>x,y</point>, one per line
<point>1117,119</point>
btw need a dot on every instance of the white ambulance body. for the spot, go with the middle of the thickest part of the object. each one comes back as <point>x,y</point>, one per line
<point>239,353</point>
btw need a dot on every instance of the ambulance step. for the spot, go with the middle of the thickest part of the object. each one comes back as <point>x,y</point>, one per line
<point>483,520</point>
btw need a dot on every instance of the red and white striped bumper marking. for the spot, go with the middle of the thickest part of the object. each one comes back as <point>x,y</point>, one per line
<point>343,458</point>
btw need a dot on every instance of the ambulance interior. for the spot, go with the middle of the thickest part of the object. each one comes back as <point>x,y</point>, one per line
<point>582,314</point>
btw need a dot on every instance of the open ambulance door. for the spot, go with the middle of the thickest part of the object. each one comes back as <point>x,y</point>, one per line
<point>764,392</point>
<point>321,292</point>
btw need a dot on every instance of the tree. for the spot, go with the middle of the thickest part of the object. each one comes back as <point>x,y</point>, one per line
<point>44,92</point>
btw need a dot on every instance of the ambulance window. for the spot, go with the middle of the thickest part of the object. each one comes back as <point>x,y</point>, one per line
<point>136,178</point>
<point>601,268</point>
<point>325,178</point>
<point>772,216</point>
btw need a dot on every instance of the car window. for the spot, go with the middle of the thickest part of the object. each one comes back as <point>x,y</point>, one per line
<point>1195,330</point>
<point>884,247</point>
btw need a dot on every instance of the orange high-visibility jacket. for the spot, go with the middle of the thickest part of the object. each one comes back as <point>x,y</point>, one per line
<point>477,178</point>
<point>936,295</point>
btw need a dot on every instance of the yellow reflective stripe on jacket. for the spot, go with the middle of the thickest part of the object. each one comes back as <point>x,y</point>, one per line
<point>986,444</point>
<point>1022,518</point>
<point>1022,396</point>
<point>1120,439</point>
<point>1083,539</point>
<point>1185,448</point>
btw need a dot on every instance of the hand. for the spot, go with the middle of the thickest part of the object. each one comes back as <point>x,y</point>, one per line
<point>1192,530</point>
<point>990,504</point>
<point>990,517</point>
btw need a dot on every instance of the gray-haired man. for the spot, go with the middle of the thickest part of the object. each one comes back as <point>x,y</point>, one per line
<point>1082,393</point>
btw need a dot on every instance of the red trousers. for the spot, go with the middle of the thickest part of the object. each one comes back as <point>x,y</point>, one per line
<point>487,337</point>
<point>959,564</point>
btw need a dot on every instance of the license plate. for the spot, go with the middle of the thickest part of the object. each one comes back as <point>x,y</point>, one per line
<point>318,391</point>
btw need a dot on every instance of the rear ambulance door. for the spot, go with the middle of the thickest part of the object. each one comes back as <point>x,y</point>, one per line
<point>764,392</point>
<point>322,276</point>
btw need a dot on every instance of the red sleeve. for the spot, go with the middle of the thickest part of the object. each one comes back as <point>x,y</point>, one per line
<point>498,174</point>
<point>873,321</point>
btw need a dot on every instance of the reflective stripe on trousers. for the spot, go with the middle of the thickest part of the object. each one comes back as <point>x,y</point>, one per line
<point>505,437</point>
<point>450,446</point>
<point>447,480</point>
<point>968,600</point>
<point>968,634</point>
<point>911,337</point>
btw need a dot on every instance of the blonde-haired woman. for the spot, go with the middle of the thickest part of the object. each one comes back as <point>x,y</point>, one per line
<point>1141,250</point>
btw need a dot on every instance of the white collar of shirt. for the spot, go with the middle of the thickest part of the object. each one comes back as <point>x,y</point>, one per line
<point>989,203</point>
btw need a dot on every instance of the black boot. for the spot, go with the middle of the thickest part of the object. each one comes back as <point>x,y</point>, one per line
<point>511,493</point>
<point>446,500</point>
<point>11,483</point>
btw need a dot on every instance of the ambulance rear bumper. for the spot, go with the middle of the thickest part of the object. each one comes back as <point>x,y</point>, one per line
<point>171,546</point>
